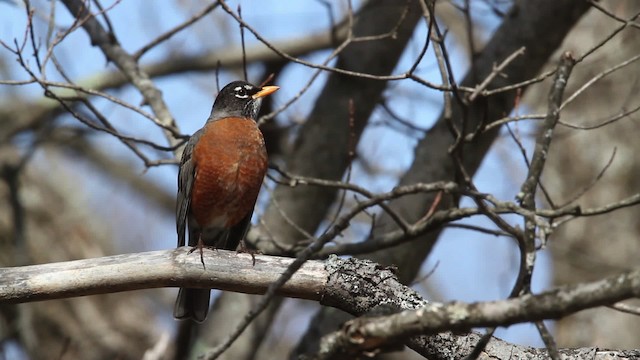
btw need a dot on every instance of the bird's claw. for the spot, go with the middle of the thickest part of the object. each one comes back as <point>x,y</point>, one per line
<point>199,246</point>
<point>244,249</point>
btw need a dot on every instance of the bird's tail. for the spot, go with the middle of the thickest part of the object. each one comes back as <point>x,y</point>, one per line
<point>192,304</point>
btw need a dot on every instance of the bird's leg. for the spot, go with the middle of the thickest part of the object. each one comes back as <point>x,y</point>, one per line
<point>199,246</point>
<point>244,249</point>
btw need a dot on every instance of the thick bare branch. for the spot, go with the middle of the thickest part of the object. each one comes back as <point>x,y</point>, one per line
<point>355,286</point>
<point>372,332</point>
<point>154,269</point>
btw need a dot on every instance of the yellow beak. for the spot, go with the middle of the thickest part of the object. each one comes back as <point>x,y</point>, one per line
<point>266,90</point>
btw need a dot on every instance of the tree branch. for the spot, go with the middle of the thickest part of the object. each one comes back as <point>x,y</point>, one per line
<point>125,62</point>
<point>225,270</point>
<point>355,286</point>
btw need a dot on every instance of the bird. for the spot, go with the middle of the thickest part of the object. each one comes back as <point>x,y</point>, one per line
<point>221,172</point>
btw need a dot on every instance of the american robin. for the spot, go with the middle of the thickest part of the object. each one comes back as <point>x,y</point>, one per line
<point>221,172</point>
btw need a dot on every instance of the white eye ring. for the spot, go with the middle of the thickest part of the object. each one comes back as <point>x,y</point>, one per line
<point>241,93</point>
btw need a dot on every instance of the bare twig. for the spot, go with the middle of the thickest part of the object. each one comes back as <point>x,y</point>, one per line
<point>629,22</point>
<point>168,34</point>
<point>608,37</point>
<point>242,44</point>
<point>127,140</point>
<point>603,123</point>
<point>405,75</point>
<point>126,63</point>
<point>507,120</point>
<point>595,180</point>
<point>295,180</point>
<point>597,77</point>
<point>523,152</point>
<point>538,159</point>
<point>532,181</point>
<point>496,71</point>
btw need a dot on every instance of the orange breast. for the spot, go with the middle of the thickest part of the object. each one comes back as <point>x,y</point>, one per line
<point>230,162</point>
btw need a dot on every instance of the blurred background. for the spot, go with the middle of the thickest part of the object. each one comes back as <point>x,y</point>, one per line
<point>71,192</point>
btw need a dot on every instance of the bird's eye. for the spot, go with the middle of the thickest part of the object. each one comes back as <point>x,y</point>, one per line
<point>241,93</point>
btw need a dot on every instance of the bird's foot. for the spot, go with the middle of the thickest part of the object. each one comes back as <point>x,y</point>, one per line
<point>244,249</point>
<point>199,246</point>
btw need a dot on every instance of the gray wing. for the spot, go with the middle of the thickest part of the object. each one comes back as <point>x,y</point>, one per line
<point>186,175</point>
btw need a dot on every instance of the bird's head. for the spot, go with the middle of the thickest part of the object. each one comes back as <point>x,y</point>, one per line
<point>240,99</point>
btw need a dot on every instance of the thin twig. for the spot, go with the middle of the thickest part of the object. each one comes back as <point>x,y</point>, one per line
<point>286,56</point>
<point>599,76</point>
<point>168,34</point>
<point>497,70</point>
<point>126,63</point>
<point>295,180</point>
<point>242,44</point>
<point>532,181</point>
<point>595,180</point>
